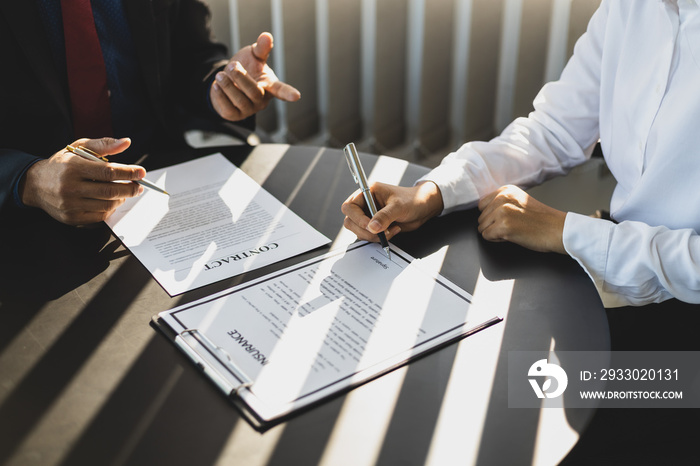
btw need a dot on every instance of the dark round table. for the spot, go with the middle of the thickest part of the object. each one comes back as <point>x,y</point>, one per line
<point>85,380</point>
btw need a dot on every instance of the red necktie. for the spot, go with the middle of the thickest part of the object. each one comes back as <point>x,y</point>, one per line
<point>87,76</point>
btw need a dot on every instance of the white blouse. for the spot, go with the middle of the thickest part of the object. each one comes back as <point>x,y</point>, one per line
<point>634,83</point>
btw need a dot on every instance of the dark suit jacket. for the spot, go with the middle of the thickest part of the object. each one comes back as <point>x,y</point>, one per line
<point>175,51</point>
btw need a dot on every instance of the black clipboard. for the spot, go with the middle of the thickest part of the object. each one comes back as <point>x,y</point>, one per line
<point>223,372</point>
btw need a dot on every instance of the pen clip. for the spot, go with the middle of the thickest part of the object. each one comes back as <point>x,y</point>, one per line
<point>350,154</point>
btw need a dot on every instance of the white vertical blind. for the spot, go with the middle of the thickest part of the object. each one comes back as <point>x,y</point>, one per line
<point>368,28</point>
<point>508,63</point>
<point>460,71</point>
<point>322,54</point>
<point>558,33</point>
<point>372,76</point>
<point>235,34</point>
<point>414,59</point>
<point>279,58</point>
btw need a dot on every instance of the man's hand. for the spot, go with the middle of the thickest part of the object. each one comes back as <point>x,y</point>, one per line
<point>77,191</point>
<point>247,84</point>
<point>401,209</point>
<point>510,214</point>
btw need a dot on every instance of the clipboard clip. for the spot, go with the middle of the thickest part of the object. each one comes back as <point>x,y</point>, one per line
<point>220,354</point>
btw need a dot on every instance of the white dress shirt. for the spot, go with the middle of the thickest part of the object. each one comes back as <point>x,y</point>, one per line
<point>634,83</point>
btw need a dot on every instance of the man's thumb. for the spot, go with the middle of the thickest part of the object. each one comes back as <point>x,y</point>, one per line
<point>263,47</point>
<point>107,146</point>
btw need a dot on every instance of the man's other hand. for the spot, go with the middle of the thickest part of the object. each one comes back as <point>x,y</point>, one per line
<point>247,84</point>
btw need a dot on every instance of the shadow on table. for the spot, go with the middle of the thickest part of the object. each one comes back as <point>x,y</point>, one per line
<point>33,396</point>
<point>553,305</point>
<point>46,259</point>
<point>633,436</point>
<point>165,412</point>
<point>43,260</point>
<point>162,412</point>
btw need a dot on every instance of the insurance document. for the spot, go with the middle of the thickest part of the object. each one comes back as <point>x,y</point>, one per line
<point>294,337</point>
<point>216,223</point>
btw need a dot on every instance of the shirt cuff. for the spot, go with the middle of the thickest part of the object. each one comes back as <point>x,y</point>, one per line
<point>588,240</point>
<point>15,187</point>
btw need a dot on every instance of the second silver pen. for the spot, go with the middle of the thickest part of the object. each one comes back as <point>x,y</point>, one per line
<point>358,173</point>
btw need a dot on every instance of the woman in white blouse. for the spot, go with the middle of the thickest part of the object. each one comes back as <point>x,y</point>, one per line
<point>634,84</point>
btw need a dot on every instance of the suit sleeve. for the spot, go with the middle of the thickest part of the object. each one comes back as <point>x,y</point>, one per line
<point>13,165</point>
<point>195,53</point>
<point>196,58</point>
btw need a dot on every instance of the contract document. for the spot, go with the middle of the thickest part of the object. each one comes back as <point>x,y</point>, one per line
<point>216,223</point>
<point>297,336</point>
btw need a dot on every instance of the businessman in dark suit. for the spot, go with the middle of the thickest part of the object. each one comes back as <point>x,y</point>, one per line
<point>160,63</point>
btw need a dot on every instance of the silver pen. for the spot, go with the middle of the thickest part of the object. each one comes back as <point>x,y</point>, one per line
<point>95,157</point>
<point>358,173</point>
